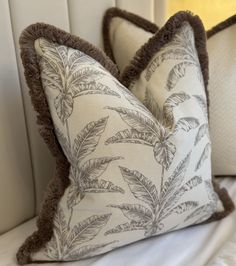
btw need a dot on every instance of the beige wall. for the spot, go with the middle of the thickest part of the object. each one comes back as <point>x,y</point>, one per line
<point>210,11</point>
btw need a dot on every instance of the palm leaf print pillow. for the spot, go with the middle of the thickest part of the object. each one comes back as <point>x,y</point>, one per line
<point>121,173</point>
<point>124,33</point>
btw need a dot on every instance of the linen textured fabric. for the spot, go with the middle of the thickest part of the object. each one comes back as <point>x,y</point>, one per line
<point>103,195</point>
<point>123,38</point>
<point>222,82</point>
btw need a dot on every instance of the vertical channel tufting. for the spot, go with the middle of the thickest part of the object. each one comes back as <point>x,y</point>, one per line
<point>24,13</point>
<point>143,8</point>
<point>17,188</point>
<point>160,12</point>
<point>68,15</point>
<point>86,18</point>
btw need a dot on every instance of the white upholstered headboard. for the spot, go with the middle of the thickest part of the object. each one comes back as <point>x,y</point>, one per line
<point>25,163</point>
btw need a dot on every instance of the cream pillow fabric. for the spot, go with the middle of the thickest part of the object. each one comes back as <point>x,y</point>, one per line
<point>122,175</point>
<point>124,47</point>
<point>222,61</point>
<point>222,93</point>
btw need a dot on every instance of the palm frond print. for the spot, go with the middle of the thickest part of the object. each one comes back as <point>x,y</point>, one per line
<point>159,205</point>
<point>62,71</point>
<point>85,174</point>
<point>156,133</point>
<point>182,50</point>
<point>70,73</point>
<point>154,206</point>
<point>69,244</point>
<point>67,241</point>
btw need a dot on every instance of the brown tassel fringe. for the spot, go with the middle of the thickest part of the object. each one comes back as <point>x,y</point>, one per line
<point>221,26</point>
<point>226,202</point>
<point>160,38</point>
<point>60,182</point>
<point>164,36</point>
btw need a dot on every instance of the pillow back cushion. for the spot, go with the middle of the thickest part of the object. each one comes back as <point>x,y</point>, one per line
<point>119,32</point>
<point>103,195</point>
<point>222,55</point>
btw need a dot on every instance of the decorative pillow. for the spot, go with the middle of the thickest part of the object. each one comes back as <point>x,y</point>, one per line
<point>122,175</point>
<point>222,83</point>
<point>120,30</point>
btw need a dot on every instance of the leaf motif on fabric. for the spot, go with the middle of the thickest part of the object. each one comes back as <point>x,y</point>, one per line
<point>85,75</point>
<point>164,152</point>
<point>125,228</point>
<point>202,131</point>
<point>50,55</point>
<point>55,247</point>
<point>94,168</point>
<point>86,141</point>
<point>135,212</point>
<point>132,136</point>
<point>86,230</point>
<point>64,106</point>
<point>186,124</point>
<point>181,208</point>
<point>64,143</point>
<point>101,186</point>
<point>205,154</point>
<point>202,218</point>
<point>212,196</point>
<point>172,101</point>
<point>185,39</point>
<point>151,104</point>
<point>93,88</point>
<point>77,58</point>
<point>49,78</point>
<point>63,54</point>
<point>51,251</point>
<point>173,198</point>
<point>200,211</point>
<point>176,73</point>
<point>170,54</point>
<point>137,120</point>
<point>175,180</point>
<point>87,251</point>
<point>130,97</point>
<point>141,187</point>
<point>202,103</point>
<point>60,229</point>
<point>65,243</point>
<point>75,195</point>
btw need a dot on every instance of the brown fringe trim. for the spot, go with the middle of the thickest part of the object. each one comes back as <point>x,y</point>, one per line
<point>221,26</point>
<point>229,175</point>
<point>162,37</point>
<point>135,19</point>
<point>148,50</point>
<point>60,182</point>
<point>226,201</point>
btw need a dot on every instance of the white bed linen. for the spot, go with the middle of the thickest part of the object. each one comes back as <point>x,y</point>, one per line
<point>227,254</point>
<point>194,246</point>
